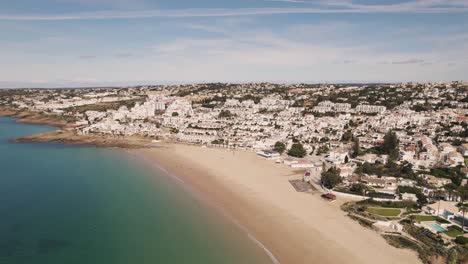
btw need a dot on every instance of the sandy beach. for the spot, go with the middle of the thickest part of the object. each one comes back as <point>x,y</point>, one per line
<point>295,227</point>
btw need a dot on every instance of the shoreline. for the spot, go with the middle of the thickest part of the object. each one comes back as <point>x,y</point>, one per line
<point>72,138</point>
<point>280,227</point>
<point>203,198</point>
<point>280,219</point>
<point>33,118</point>
<point>69,137</point>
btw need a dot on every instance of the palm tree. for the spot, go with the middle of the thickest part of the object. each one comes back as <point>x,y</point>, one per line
<point>463,208</point>
<point>438,194</point>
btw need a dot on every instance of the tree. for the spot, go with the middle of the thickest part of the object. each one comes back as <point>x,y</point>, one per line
<point>347,136</point>
<point>331,178</point>
<point>463,208</point>
<point>457,142</point>
<point>297,150</point>
<point>175,114</point>
<point>225,114</point>
<point>359,188</point>
<point>461,240</point>
<point>356,151</point>
<point>280,147</point>
<point>346,159</point>
<point>391,145</point>
<point>322,150</point>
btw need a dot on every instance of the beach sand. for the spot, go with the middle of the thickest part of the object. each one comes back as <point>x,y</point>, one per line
<point>295,227</point>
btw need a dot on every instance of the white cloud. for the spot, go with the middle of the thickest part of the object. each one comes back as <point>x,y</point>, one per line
<point>318,52</point>
<point>330,7</point>
<point>409,61</point>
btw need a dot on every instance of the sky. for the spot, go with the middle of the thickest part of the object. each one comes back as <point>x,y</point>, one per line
<point>71,43</point>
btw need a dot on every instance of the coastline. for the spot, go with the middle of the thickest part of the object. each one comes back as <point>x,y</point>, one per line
<point>72,138</point>
<point>33,118</point>
<point>64,136</point>
<point>290,227</point>
<point>255,193</point>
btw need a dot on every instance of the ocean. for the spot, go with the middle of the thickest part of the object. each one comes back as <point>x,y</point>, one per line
<point>69,204</point>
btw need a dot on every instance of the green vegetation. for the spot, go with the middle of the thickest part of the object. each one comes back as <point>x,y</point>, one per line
<point>362,221</point>
<point>280,147</point>
<point>347,136</point>
<point>432,244</point>
<point>401,242</point>
<point>322,150</point>
<point>391,146</point>
<point>387,212</point>
<point>461,240</point>
<point>425,218</point>
<point>218,142</point>
<point>297,150</point>
<point>356,151</point>
<point>414,190</point>
<point>225,114</point>
<point>103,107</point>
<point>331,178</point>
<point>454,231</point>
<point>453,174</point>
<point>175,114</point>
<point>403,170</point>
<point>388,204</point>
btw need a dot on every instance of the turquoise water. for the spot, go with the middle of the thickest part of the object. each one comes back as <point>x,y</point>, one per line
<point>438,228</point>
<point>64,204</point>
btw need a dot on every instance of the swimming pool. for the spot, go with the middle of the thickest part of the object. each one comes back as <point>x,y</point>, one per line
<point>438,228</point>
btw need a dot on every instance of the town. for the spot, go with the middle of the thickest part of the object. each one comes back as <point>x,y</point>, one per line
<point>399,152</point>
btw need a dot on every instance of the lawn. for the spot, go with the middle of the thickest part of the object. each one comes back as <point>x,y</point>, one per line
<point>454,231</point>
<point>423,218</point>
<point>384,211</point>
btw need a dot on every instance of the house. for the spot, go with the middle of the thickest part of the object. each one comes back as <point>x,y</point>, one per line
<point>434,181</point>
<point>407,182</point>
<point>337,157</point>
<point>454,159</point>
<point>389,183</point>
<point>369,158</point>
<point>347,169</point>
<point>443,208</point>
<point>409,197</point>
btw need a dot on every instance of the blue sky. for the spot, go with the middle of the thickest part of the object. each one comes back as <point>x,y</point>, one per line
<point>51,43</point>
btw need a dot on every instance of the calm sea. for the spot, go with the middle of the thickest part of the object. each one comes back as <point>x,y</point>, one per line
<point>65,204</point>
